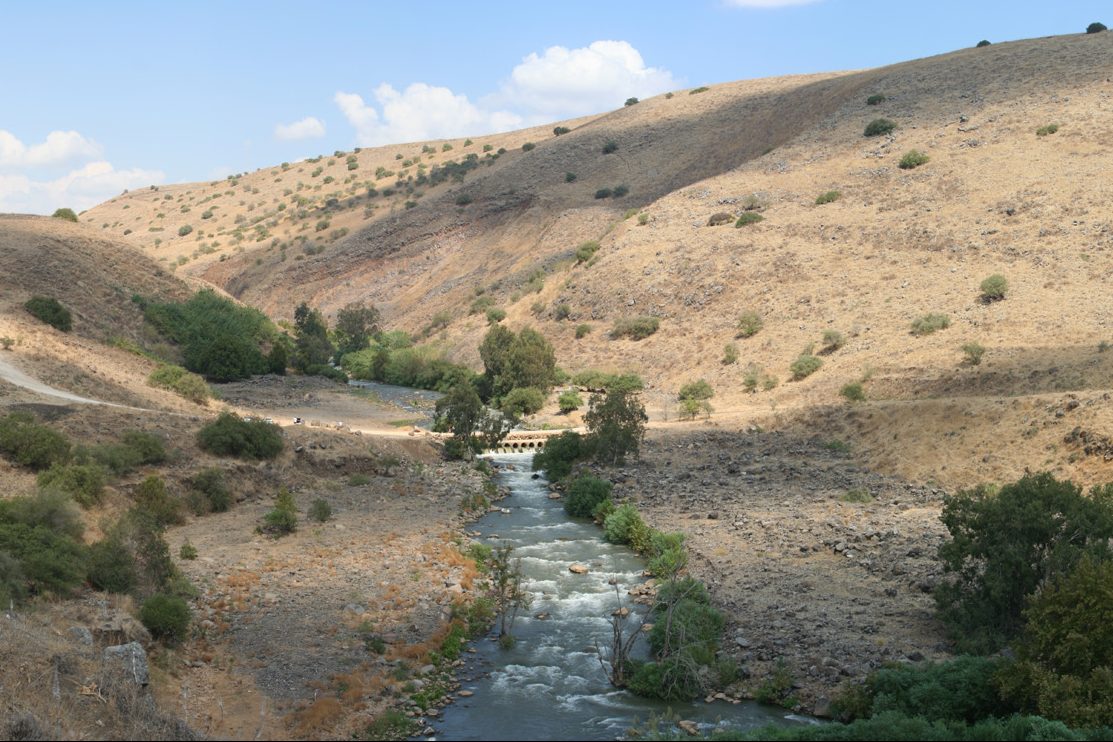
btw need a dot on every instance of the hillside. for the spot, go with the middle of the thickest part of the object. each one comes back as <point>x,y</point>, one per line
<point>994,197</point>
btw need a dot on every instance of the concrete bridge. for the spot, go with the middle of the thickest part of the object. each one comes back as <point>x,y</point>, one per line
<point>528,441</point>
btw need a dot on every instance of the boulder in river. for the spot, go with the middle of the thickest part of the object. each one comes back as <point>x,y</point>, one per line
<point>578,569</point>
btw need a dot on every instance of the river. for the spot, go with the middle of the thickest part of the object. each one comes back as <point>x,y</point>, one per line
<point>550,684</point>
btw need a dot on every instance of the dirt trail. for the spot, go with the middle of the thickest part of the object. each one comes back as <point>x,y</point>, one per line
<point>13,375</point>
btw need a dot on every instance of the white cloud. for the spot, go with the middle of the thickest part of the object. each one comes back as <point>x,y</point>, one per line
<point>768,3</point>
<point>309,127</point>
<point>58,147</point>
<point>558,83</point>
<point>562,82</point>
<point>78,189</point>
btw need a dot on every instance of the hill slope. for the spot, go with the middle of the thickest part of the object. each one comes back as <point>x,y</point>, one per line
<point>994,197</point>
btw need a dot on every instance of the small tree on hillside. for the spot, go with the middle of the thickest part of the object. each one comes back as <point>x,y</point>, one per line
<point>616,422</point>
<point>312,346</point>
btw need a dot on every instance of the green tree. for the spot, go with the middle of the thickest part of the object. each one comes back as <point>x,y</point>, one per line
<point>311,346</point>
<point>1005,545</point>
<point>356,323</point>
<point>616,423</point>
<point>494,350</point>
<point>693,398</point>
<point>530,362</point>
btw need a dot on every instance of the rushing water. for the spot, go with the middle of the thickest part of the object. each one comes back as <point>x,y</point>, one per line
<point>550,684</point>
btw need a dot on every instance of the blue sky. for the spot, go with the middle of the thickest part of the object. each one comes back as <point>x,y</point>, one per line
<point>98,97</point>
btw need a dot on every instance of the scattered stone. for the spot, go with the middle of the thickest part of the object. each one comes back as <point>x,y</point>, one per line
<point>691,727</point>
<point>132,660</point>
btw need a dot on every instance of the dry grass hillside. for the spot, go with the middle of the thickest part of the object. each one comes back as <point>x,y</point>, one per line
<point>993,198</point>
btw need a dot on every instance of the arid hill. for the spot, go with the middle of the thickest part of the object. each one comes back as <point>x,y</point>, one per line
<point>993,197</point>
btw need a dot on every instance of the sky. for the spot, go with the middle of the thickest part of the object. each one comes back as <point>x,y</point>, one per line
<point>99,97</point>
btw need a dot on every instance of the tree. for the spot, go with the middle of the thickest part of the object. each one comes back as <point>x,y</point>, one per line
<point>1004,546</point>
<point>507,592</point>
<point>693,398</point>
<point>312,346</point>
<point>65,213</point>
<point>616,422</point>
<point>530,362</point>
<point>356,323</point>
<point>494,351</point>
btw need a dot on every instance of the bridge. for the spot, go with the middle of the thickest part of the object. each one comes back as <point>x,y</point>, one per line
<point>528,441</point>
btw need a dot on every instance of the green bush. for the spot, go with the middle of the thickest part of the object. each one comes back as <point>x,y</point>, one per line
<point>570,401</point>
<point>83,482</point>
<point>358,480</point>
<point>730,354</point>
<point>635,328</point>
<point>230,435</point>
<point>827,197</point>
<point>495,315</point>
<point>320,511</point>
<point>804,366</point>
<point>878,127</point>
<point>673,679</point>
<point>181,382</point>
<point>620,522</point>
<point>1095,27</point>
<point>748,218</point>
<point>528,146</point>
<point>559,454</point>
<point>973,353</point>
<point>65,213</point>
<point>620,191</point>
<point>631,102</point>
<point>188,552</point>
<point>749,324</point>
<point>833,340</point>
<point>697,91</point>
<point>604,193</point>
<point>167,617</point>
<point>283,519</point>
<point>994,288</point>
<point>584,494</point>
<point>50,310</point>
<point>1005,545</point>
<point>184,230</point>
<point>1043,131</point>
<point>560,130</point>
<point>912,159</point>
<point>898,727</point>
<point>853,392</point>
<point>209,493</point>
<point>875,100</point>
<point>586,250</point>
<point>146,447</point>
<point>40,535</point>
<point>610,147</point>
<point>111,566</point>
<point>158,505</point>
<point>983,43</point>
<point>29,444</point>
<point>569,177</point>
<point>929,323</point>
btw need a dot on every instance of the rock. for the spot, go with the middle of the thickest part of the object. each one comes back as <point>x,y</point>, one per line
<point>578,569</point>
<point>742,641</point>
<point>466,694</point>
<point>542,616</point>
<point>426,669</point>
<point>554,495</point>
<point>622,612</point>
<point>82,635</point>
<point>132,659</point>
<point>822,708</point>
<point>691,727</point>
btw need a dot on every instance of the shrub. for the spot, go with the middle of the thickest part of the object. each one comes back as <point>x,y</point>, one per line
<point>973,353</point>
<point>1005,545</point>
<point>528,146</point>
<point>463,199</point>
<point>994,288</point>
<point>1043,131</point>
<point>50,310</point>
<point>827,197</point>
<point>619,523</point>
<point>630,101</point>
<point>184,230</point>
<point>610,147</point>
<point>929,323</point>
<point>320,511</point>
<point>582,331</point>
<point>560,130</point>
<point>83,482</point>
<point>522,401</point>
<point>570,401</point>
<point>584,494</point>
<point>230,435</point>
<point>983,43</point>
<point>620,191</point>
<point>604,193</point>
<point>804,366</point>
<point>166,617</point>
<point>853,392</point>
<point>559,454</point>
<point>32,445</point>
<point>833,340</point>
<point>66,214</point>
<point>111,566</point>
<point>697,390</point>
<point>875,100</point>
<point>696,91</point>
<point>730,354</point>
<point>749,323</point>
<point>283,519</point>
<point>561,312</point>
<point>878,127</point>
<point>145,447</point>
<point>188,551</point>
<point>1095,27</point>
<point>586,250</point>
<point>748,218</point>
<point>156,504</point>
<point>719,218</point>
<point>635,328</point>
<point>209,493</point>
<point>183,383</point>
<point>569,177</point>
<point>912,159</point>
<point>755,376</point>
<point>495,315</point>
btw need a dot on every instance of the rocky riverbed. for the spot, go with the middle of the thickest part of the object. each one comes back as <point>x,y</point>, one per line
<point>822,566</point>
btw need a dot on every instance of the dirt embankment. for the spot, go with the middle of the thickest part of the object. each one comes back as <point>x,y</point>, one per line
<point>817,562</point>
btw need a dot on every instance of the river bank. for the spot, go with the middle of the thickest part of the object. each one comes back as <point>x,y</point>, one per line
<point>823,568</point>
